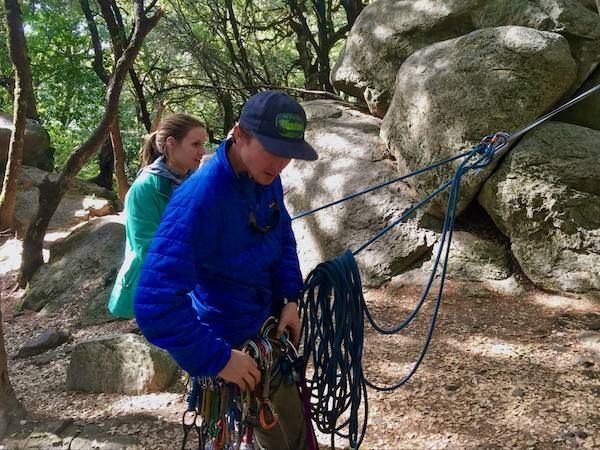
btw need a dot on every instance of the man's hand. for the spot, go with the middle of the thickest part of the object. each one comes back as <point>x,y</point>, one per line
<point>290,320</point>
<point>242,370</point>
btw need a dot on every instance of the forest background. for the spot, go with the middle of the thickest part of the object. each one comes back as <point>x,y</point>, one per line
<point>205,58</point>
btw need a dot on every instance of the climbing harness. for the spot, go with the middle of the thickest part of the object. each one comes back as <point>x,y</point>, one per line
<point>334,310</point>
<point>223,417</point>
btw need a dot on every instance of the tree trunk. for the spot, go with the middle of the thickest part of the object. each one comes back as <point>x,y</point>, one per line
<point>27,80</point>
<point>354,7</point>
<point>160,108</point>
<point>304,57</point>
<point>246,66</point>
<point>10,407</point>
<point>119,159</point>
<point>228,114</point>
<point>304,37</point>
<point>106,164</point>
<point>323,27</point>
<point>98,64</point>
<point>18,53</point>
<point>112,17</point>
<point>138,87</point>
<point>52,192</point>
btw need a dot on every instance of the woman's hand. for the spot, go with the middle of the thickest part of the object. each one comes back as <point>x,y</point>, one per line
<point>290,320</point>
<point>242,370</point>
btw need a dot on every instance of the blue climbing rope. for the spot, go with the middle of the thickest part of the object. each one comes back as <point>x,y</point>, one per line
<point>334,309</point>
<point>381,185</point>
<point>334,312</point>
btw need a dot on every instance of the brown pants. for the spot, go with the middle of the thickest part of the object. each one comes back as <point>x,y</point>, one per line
<point>290,431</point>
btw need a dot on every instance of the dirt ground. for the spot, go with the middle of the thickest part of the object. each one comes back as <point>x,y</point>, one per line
<point>501,372</point>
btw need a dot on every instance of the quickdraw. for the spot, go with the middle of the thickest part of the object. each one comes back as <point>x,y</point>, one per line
<point>223,417</point>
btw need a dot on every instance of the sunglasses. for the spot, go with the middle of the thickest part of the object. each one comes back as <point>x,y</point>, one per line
<point>272,221</point>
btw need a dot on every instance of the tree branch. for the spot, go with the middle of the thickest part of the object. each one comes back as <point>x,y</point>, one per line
<point>52,192</point>
<point>96,44</point>
<point>17,48</point>
<point>212,87</point>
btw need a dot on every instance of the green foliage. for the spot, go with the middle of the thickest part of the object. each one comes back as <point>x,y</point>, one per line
<point>69,95</point>
<point>205,58</point>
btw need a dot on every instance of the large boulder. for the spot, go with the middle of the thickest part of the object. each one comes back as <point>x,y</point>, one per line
<point>473,258</point>
<point>81,201</point>
<point>123,363</point>
<point>82,268</point>
<point>545,197</point>
<point>387,32</point>
<point>351,157</point>
<point>452,93</point>
<point>37,151</point>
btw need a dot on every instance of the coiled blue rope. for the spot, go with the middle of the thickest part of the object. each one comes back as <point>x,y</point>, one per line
<point>334,311</point>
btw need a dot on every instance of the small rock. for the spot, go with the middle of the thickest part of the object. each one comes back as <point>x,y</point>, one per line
<point>518,392</point>
<point>58,426</point>
<point>562,419</point>
<point>591,341</point>
<point>541,333</point>
<point>582,434</point>
<point>583,361</point>
<point>452,387</point>
<point>46,341</point>
<point>595,325</point>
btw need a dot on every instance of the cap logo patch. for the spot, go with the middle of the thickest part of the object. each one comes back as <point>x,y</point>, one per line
<point>290,125</point>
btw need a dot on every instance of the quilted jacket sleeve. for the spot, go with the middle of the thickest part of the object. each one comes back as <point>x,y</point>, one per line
<point>285,273</point>
<point>163,308</point>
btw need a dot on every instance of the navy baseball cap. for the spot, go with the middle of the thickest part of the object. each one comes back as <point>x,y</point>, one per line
<point>278,122</point>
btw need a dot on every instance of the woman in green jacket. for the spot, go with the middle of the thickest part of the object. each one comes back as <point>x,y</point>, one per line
<point>169,156</point>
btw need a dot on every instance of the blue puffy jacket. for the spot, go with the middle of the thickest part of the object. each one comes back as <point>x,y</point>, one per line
<point>210,279</point>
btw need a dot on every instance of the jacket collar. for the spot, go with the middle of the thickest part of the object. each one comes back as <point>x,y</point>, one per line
<point>241,181</point>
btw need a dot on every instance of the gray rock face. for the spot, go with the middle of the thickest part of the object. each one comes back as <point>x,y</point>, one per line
<point>590,341</point>
<point>124,363</point>
<point>82,201</point>
<point>351,157</point>
<point>37,151</point>
<point>586,113</point>
<point>81,268</point>
<point>46,341</point>
<point>546,198</point>
<point>387,32</point>
<point>452,93</point>
<point>69,435</point>
<point>473,258</point>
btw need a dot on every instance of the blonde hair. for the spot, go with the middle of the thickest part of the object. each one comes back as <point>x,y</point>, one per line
<point>177,125</point>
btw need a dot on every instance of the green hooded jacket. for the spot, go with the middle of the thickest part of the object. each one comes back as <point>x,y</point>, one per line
<point>145,203</point>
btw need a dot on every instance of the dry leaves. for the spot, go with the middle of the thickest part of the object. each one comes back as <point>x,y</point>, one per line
<point>501,372</point>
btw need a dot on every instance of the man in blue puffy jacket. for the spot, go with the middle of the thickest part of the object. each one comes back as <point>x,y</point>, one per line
<point>224,256</point>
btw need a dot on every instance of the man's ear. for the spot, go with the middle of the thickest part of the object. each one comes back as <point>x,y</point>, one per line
<point>236,133</point>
